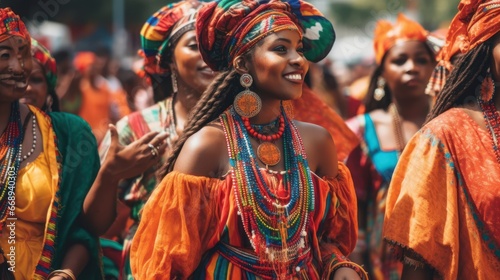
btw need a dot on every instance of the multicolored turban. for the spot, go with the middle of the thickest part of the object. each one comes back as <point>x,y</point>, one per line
<point>229,28</point>
<point>163,29</point>
<point>12,25</point>
<point>475,23</point>
<point>48,63</point>
<point>387,35</point>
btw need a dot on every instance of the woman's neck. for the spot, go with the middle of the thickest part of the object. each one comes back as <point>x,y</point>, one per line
<point>184,102</point>
<point>270,111</point>
<point>414,110</point>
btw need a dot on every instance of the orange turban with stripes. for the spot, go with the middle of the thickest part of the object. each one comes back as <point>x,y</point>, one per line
<point>387,34</point>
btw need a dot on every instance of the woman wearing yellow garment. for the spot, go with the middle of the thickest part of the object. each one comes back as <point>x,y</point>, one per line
<point>442,214</point>
<point>45,176</point>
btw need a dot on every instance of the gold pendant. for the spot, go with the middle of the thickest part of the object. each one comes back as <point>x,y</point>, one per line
<point>269,154</point>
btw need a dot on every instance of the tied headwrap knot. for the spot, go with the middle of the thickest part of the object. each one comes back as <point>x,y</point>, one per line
<point>227,29</point>
<point>475,23</point>
<point>387,34</point>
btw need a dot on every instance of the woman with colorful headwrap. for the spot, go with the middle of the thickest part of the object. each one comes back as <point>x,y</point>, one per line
<point>41,91</point>
<point>242,200</point>
<point>396,107</point>
<point>442,212</point>
<point>48,163</point>
<point>178,76</point>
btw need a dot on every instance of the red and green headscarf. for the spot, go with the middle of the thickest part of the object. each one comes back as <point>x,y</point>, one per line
<point>48,63</point>
<point>229,28</point>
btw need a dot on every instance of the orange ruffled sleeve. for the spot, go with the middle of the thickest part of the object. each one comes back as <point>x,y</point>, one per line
<point>178,222</point>
<point>339,231</point>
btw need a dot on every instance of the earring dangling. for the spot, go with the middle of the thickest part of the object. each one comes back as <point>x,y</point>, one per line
<point>487,87</point>
<point>173,76</point>
<point>247,103</point>
<point>379,91</point>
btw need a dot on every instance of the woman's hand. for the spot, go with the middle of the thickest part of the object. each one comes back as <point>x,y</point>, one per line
<point>345,273</point>
<point>122,162</point>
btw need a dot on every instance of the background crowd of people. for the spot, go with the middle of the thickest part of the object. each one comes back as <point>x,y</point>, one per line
<point>231,149</point>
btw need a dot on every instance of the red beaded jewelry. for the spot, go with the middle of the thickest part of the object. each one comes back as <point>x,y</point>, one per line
<point>490,113</point>
<point>262,137</point>
<point>267,152</point>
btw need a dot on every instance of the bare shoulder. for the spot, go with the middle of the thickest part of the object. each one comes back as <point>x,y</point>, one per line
<point>204,153</point>
<point>320,148</point>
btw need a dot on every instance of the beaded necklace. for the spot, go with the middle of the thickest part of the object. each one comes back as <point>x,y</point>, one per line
<point>276,223</point>
<point>10,157</point>
<point>491,116</point>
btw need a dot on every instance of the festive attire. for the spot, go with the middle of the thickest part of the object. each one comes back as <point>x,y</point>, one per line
<point>58,178</point>
<point>441,208</point>
<point>158,36</point>
<point>197,228</point>
<point>372,170</point>
<point>372,167</point>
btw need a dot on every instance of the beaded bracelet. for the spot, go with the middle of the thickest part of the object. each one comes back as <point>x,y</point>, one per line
<point>64,272</point>
<point>352,265</point>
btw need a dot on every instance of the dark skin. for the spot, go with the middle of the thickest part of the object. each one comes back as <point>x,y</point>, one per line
<point>130,161</point>
<point>476,114</point>
<point>15,55</point>
<point>278,73</point>
<point>407,68</point>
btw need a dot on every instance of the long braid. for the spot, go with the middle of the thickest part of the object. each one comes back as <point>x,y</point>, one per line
<point>214,101</point>
<point>464,80</point>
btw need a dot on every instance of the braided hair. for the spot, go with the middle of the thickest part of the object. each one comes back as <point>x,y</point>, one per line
<point>214,101</point>
<point>464,81</point>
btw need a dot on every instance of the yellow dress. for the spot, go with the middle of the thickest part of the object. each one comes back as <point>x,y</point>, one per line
<point>34,193</point>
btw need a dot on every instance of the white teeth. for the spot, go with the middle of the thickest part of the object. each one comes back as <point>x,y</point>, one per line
<point>295,77</point>
<point>21,84</point>
<point>9,81</point>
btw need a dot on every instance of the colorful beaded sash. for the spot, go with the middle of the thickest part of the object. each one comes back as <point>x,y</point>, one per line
<point>275,224</point>
<point>10,158</point>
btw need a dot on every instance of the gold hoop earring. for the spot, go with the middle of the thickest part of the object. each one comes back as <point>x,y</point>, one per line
<point>380,90</point>
<point>247,103</point>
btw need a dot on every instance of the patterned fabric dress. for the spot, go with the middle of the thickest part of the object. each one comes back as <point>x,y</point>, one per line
<point>443,199</point>
<point>372,170</point>
<point>135,191</point>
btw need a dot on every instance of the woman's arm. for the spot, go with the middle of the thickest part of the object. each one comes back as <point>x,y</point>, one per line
<point>74,262</point>
<point>121,162</point>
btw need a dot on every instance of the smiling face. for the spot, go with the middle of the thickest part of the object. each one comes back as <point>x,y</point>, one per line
<point>407,68</point>
<point>192,72</point>
<point>15,68</point>
<point>278,66</point>
<point>37,91</point>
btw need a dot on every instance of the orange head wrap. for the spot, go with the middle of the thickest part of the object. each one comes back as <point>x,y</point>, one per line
<point>476,22</point>
<point>83,60</point>
<point>387,34</point>
<point>12,25</point>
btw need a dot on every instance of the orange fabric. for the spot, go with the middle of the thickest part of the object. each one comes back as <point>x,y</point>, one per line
<point>387,35</point>
<point>83,60</point>
<point>475,22</point>
<point>310,108</point>
<point>443,199</point>
<point>188,215</point>
<point>95,107</point>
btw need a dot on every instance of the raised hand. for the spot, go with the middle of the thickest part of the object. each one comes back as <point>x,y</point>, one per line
<point>124,162</point>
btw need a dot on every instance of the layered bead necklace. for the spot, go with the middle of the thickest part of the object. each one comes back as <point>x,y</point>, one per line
<point>491,116</point>
<point>10,157</point>
<point>276,222</point>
